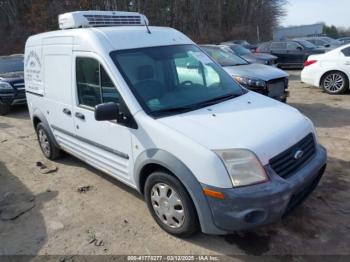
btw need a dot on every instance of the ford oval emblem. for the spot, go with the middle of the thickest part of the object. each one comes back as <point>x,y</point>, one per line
<point>298,154</point>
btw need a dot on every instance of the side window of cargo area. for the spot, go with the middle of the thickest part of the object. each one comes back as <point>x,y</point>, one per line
<point>93,84</point>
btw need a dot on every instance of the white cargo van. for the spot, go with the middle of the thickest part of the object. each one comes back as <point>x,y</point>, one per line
<point>148,107</point>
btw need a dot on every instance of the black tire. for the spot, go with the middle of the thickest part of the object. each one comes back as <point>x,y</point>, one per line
<point>335,90</point>
<point>284,100</point>
<point>48,148</point>
<point>190,224</point>
<point>4,109</point>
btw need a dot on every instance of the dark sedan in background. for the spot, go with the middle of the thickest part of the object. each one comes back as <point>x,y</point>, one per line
<point>263,79</point>
<point>256,58</point>
<point>291,53</point>
<point>12,90</point>
<point>243,43</point>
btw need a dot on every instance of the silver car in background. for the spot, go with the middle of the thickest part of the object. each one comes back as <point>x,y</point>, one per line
<point>263,79</point>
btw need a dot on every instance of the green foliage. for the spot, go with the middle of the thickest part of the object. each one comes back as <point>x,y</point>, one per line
<point>331,31</point>
<point>203,20</point>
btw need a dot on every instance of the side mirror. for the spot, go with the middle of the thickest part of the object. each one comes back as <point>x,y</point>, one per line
<point>299,48</point>
<point>327,45</point>
<point>106,112</point>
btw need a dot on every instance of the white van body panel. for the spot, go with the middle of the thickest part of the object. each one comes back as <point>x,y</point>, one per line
<point>157,135</point>
<point>228,125</point>
<point>251,121</point>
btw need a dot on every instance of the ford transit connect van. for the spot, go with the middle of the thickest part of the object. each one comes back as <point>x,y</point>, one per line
<point>148,107</point>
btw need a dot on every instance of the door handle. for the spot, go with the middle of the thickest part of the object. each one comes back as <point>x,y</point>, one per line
<point>80,116</point>
<point>67,111</point>
<point>347,63</point>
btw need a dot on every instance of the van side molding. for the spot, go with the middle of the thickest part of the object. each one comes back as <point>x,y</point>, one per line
<point>87,141</point>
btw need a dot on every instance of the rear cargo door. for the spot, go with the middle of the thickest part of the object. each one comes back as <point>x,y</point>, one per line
<point>57,53</point>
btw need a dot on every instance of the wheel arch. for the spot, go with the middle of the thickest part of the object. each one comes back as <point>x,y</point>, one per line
<point>39,117</point>
<point>154,159</point>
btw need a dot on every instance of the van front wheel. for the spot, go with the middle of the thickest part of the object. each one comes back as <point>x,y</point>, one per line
<point>47,146</point>
<point>170,204</point>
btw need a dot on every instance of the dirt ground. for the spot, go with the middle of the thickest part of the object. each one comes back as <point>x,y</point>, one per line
<point>62,221</point>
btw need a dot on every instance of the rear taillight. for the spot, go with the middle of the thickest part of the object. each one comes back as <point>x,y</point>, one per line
<point>309,62</point>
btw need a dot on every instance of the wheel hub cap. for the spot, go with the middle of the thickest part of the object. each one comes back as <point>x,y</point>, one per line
<point>167,205</point>
<point>44,142</point>
<point>334,82</point>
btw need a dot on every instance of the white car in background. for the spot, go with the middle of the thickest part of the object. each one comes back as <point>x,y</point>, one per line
<point>330,71</point>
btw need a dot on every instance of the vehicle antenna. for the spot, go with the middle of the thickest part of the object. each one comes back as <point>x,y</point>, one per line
<point>149,31</point>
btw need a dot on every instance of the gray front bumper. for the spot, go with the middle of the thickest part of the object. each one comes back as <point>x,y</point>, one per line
<point>257,205</point>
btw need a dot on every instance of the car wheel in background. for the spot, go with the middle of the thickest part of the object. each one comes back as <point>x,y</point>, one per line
<point>47,146</point>
<point>4,109</point>
<point>170,204</point>
<point>335,83</point>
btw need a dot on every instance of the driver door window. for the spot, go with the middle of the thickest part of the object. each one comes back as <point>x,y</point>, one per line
<point>93,84</point>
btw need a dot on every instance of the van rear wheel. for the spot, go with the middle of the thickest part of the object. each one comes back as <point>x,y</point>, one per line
<point>170,205</point>
<point>47,146</point>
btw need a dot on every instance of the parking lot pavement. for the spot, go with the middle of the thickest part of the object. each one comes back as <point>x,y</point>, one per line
<point>106,217</point>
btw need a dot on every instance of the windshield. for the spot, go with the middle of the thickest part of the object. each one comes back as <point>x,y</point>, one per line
<point>225,56</point>
<point>11,64</point>
<point>240,50</point>
<point>174,79</point>
<point>306,44</point>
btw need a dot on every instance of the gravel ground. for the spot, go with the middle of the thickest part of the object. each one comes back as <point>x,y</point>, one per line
<point>110,218</point>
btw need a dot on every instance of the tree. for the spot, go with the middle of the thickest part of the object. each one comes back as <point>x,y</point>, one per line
<point>205,21</point>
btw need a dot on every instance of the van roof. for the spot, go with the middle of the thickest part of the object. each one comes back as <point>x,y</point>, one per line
<point>112,38</point>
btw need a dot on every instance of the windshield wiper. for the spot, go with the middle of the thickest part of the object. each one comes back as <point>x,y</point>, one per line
<point>184,109</point>
<point>217,100</point>
<point>180,109</point>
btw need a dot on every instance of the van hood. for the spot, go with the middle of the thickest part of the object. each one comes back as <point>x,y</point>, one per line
<point>258,71</point>
<point>251,121</point>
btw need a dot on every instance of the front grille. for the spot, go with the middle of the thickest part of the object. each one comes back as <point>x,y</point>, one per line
<point>259,90</point>
<point>276,88</point>
<point>19,86</point>
<point>290,161</point>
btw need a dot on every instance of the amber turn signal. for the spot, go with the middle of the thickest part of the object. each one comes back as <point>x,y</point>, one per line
<point>213,193</point>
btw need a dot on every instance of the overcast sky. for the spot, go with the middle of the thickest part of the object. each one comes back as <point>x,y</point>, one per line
<point>332,12</point>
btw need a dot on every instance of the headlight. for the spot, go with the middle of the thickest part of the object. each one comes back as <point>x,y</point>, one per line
<point>5,86</point>
<point>250,82</point>
<point>243,167</point>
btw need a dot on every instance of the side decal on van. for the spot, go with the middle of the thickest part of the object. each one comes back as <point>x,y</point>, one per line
<point>33,72</point>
